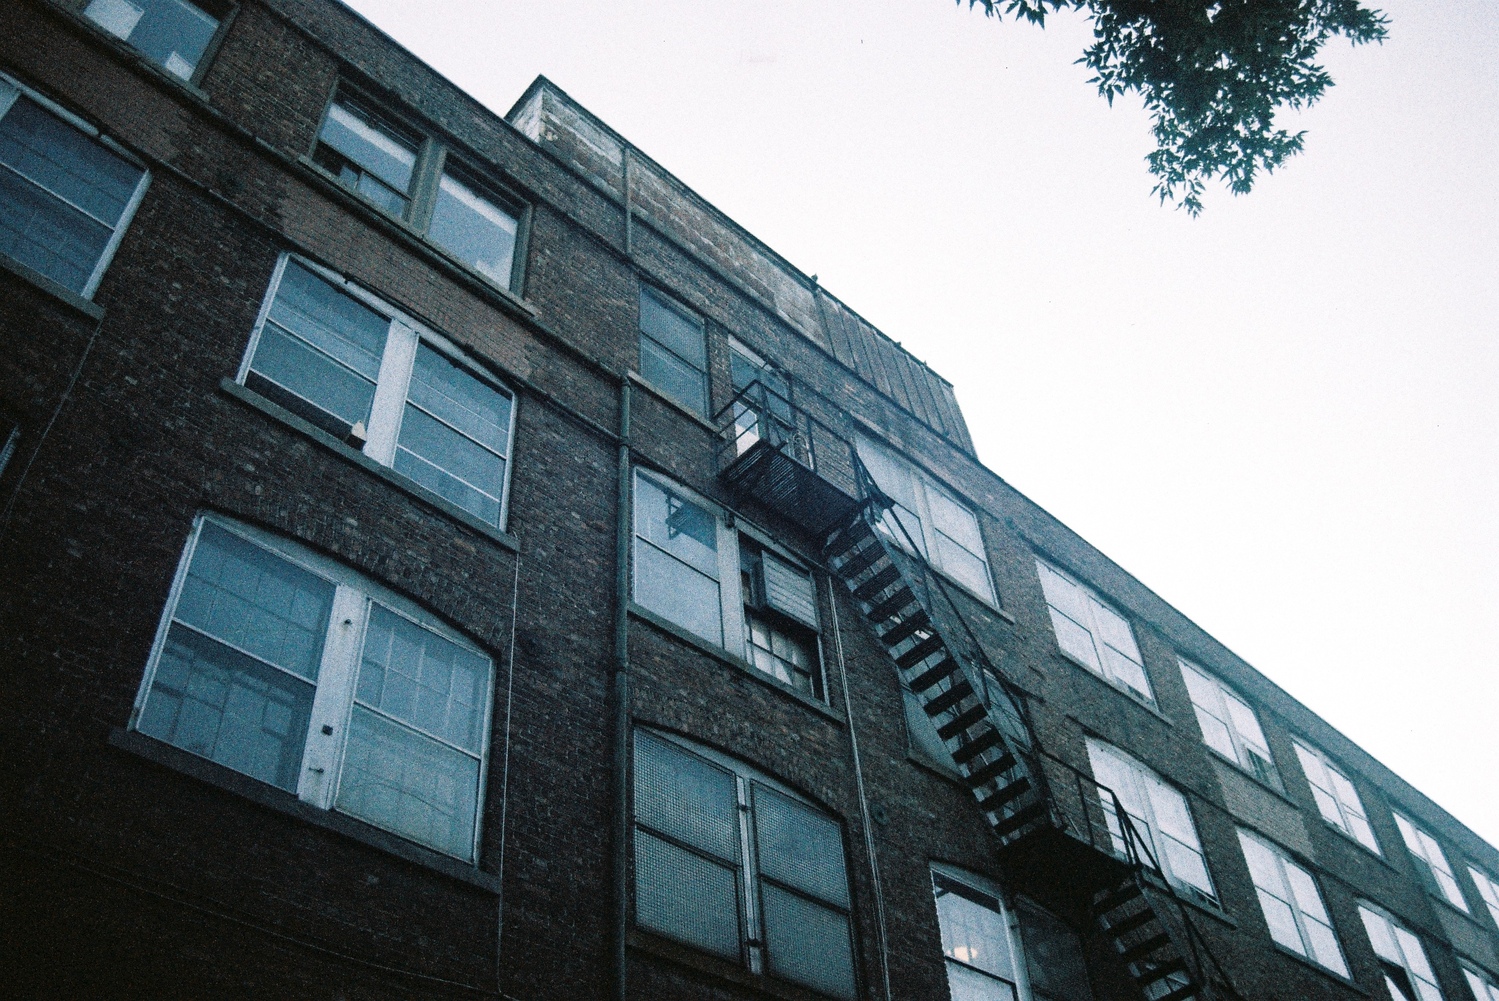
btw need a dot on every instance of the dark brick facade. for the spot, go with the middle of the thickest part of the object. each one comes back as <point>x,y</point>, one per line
<point>134,870</point>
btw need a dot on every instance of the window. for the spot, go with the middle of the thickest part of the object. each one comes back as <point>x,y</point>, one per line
<point>1093,633</point>
<point>1488,889</point>
<point>1159,814</point>
<point>368,155</point>
<point>691,569</point>
<point>343,360</point>
<point>944,531</point>
<point>173,34</point>
<point>1292,904</point>
<point>983,956</point>
<point>1229,726</point>
<point>292,669</point>
<point>415,179</point>
<point>673,351</point>
<point>1484,987</point>
<point>729,861</point>
<point>1407,974</point>
<point>66,192</point>
<point>1337,799</point>
<point>1426,850</point>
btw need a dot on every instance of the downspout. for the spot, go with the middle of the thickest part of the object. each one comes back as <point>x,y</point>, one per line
<point>623,530</point>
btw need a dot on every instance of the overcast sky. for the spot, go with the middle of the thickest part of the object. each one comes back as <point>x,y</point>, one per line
<point>1282,416</point>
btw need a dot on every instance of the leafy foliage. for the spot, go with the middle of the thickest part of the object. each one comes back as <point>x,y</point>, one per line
<point>1212,73</point>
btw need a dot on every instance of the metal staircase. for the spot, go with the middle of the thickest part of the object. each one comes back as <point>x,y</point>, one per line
<point>1084,843</point>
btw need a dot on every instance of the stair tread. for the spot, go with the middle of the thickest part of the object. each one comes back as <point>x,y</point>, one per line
<point>1142,949</point>
<point>1136,921</point>
<point>877,583</point>
<point>933,676</point>
<point>910,625</point>
<point>863,561</point>
<point>961,722</point>
<point>1008,794</point>
<point>1015,821</point>
<point>887,608</point>
<point>948,699</point>
<point>992,770</point>
<point>977,746</point>
<point>920,652</point>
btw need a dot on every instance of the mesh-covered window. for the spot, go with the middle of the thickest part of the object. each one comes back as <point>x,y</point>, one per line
<point>782,908</point>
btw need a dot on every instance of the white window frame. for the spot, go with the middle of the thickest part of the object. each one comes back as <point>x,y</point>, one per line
<point>1009,919</point>
<point>1425,850</point>
<point>323,754</point>
<point>106,256</point>
<point>732,599</point>
<point>752,937</point>
<point>1488,890</point>
<point>1333,804</point>
<point>1144,779</point>
<point>925,532</point>
<point>1406,952</point>
<point>1484,985</point>
<point>1285,892</point>
<point>1094,628</point>
<point>397,362</point>
<point>1247,750</point>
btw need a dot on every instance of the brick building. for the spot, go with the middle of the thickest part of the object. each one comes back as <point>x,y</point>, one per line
<point>444,557</point>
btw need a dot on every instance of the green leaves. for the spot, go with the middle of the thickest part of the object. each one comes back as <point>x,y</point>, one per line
<point>1213,74</point>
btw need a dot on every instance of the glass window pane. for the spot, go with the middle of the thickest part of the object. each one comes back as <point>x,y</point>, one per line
<point>1062,594</point>
<point>1115,631</point>
<point>253,599</point>
<point>370,144</point>
<point>409,784</point>
<point>170,33</point>
<point>1126,671</point>
<point>48,236</point>
<point>1053,956</point>
<point>808,943</point>
<point>474,229</point>
<point>1304,890</point>
<point>678,593</point>
<point>337,324</point>
<point>1263,866</point>
<point>686,797</point>
<point>970,985</point>
<point>424,679</point>
<point>1380,936</point>
<point>1325,948</point>
<point>1282,922</point>
<point>685,896</point>
<point>675,524</point>
<point>1074,639</point>
<point>674,377</point>
<point>955,521</point>
<point>1214,733</point>
<point>229,708</point>
<point>1245,723</point>
<point>799,846</point>
<point>458,398</point>
<point>973,933</point>
<point>308,382</point>
<point>676,333</point>
<point>458,468</point>
<point>963,566</point>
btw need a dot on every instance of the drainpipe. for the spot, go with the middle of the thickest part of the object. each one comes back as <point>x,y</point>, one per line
<point>622,695</point>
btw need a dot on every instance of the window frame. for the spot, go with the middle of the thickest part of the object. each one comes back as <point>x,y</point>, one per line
<point>322,768</point>
<point>754,953</point>
<point>1483,984</point>
<point>230,10</point>
<point>1244,754</point>
<point>1488,891</point>
<point>923,487</point>
<point>994,901</point>
<point>396,382</point>
<point>1141,774</point>
<point>667,301</point>
<point>1420,844</point>
<point>734,604</point>
<point>132,205</point>
<point>1368,909</point>
<point>1095,635</point>
<point>436,157</point>
<point>1286,895</point>
<point>1305,750</point>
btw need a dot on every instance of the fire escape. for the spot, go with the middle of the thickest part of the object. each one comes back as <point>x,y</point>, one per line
<point>1063,837</point>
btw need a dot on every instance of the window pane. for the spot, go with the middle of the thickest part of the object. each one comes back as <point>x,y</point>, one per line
<point>1304,891</point>
<point>964,567</point>
<point>1245,723</point>
<point>970,985</point>
<point>458,398</point>
<point>229,708</point>
<point>458,468</point>
<point>1380,936</point>
<point>1325,948</point>
<point>687,797</point>
<point>1074,639</point>
<point>1115,631</point>
<point>62,196</point>
<point>955,521</point>
<point>676,333</point>
<point>1282,922</point>
<point>808,943</point>
<point>255,600</point>
<point>678,593</point>
<point>1126,671</point>
<point>799,846</point>
<point>170,33</point>
<point>686,530</point>
<point>1215,734</point>
<point>1053,957</point>
<point>424,680</point>
<point>973,933</point>
<point>474,229</point>
<point>370,144</point>
<point>674,377</point>
<point>685,896</point>
<point>409,784</point>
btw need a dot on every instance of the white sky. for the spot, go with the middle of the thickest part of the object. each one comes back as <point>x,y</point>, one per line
<point>1282,416</point>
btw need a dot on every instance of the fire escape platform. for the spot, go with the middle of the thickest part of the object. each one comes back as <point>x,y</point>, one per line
<point>776,479</point>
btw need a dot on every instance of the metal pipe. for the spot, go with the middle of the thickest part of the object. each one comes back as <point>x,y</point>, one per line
<point>623,528</point>
<point>499,932</point>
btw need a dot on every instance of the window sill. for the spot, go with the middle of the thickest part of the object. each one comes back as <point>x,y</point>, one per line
<point>716,966</point>
<point>411,233</point>
<point>1129,694</point>
<point>167,756</point>
<point>682,409</point>
<point>723,656</point>
<point>255,401</point>
<point>66,296</point>
<point>1307,961</point>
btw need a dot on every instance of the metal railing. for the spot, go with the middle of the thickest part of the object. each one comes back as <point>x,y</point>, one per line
<point>759,413</point>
